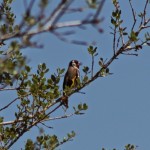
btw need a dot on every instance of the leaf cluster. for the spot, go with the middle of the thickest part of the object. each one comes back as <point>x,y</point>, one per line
<point>50,142</point>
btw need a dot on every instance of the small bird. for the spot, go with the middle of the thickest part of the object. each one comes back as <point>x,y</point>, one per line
<point>71,78</point>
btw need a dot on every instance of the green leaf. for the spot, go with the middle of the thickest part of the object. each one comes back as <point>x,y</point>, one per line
<point>125,33</point>
<point>27,68</point>
<point>1,52</point>
<point>47,70</point>
<point>60,71</point>
<point>43,66</point>
<point>85,69</point>
<point>114,14</point>
<point>29,145</point>
<point>133,36</point>
<point>107,70</point>
<point>57,80</point>
<point>85,106</point>
<point>53,78</point>
<point>92,3</point>
<point>1,119</point>
<point>73,134</point>
<point>80,106</point>
<point>104,72</point>
<point>92,50</point>
<point>113,21</point>
<point>101,62</point>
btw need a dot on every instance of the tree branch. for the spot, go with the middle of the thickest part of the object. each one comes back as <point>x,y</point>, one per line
<point>9,104</point>
<point>133,14</point>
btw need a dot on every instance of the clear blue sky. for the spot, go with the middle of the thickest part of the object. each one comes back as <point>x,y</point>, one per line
<point>119,105</point>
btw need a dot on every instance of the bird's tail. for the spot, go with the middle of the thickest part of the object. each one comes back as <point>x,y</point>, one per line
<point>65,100</point>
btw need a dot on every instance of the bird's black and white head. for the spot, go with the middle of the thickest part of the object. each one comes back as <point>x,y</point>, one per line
<point>75,64</point>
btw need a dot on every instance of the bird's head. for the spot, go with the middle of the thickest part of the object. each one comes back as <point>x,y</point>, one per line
<point>75,63</point>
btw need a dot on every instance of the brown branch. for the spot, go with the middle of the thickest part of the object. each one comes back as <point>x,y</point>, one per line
<point>9,104</point>
<point>30,117</point>
<point>145,10</point>
<point>118,41</point>
<point>52,111</point>
<point>145,27</point>
<point>92,68</point>
<point>12,102</point>
<point>49,28</point>
<point>130,54</point>
<point>143,17</point>
<point>62,38</point>
<point>73,10</point>
<point>57,13</point>
<point>99,9</point>
<point>46,125</point>
<point>12,89</point>
<point>66,24</point>
<point>33,124</point>
<point>29,8</point>
<point>114,41</point>
<point>28,11</point>
<point>133,14</point>
<point>52,23</point>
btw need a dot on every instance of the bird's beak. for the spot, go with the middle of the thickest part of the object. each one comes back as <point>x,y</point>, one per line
<point>80,63</point>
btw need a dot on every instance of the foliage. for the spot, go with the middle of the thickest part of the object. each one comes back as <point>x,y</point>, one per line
<point>37,96</point>
<point>48,142</point>
<point>127,147</point>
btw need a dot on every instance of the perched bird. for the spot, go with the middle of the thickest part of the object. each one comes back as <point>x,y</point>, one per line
<point>71,78</point>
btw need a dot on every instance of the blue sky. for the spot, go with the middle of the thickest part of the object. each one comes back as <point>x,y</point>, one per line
<point>119,104</point>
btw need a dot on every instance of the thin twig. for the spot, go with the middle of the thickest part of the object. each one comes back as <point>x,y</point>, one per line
<point>50,28</point>
<point>92,69</point>
<point>30,117</point>
<point>145,10</point>
<point>52,111</point>
<point>99,9</point>
<point>58,13</point>
<point>27,11</point>
<point>133,14</point>
<point>114,41</point>
<point>143,17</point>
<point>62,38</point>
<point>11,89</point>
<point>9,104</point>
<point>46,125</point>
<point>130,54</point>
<point>73,10</point>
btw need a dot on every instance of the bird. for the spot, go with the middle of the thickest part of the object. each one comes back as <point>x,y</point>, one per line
<point>71,79</point>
